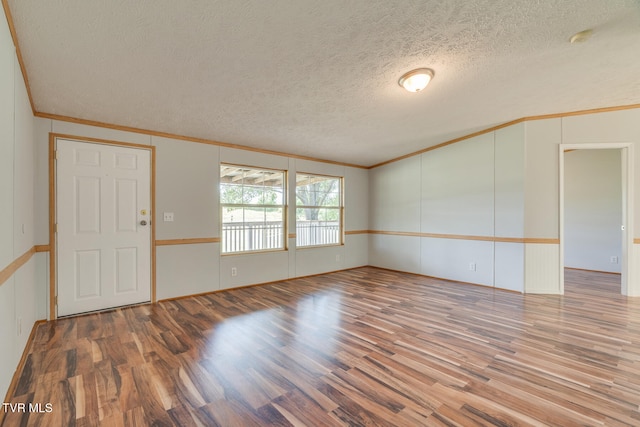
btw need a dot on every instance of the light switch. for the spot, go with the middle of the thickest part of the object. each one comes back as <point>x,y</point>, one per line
<point>168,217</point>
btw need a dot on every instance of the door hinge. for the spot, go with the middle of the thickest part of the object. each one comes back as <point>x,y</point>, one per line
<point>55,154</point>
<point>56,300</point>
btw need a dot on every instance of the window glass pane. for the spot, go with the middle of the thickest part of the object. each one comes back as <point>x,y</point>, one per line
<point>230,193</point>
<point>252,202</point>
<point>318,214</point>
<point>316,232</point>
<point>317,191</point>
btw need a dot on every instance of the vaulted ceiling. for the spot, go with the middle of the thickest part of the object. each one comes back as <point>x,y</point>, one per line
<point>320,78</point>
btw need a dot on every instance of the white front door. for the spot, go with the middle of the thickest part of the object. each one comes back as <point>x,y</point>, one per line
<point>103,212</point>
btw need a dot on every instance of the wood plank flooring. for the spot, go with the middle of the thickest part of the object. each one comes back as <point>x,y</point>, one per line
<point>360,347</point>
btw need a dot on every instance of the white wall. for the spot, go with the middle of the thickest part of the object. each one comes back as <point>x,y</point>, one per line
<point>542,178</point>
<point>187,181</point>
<point>18,302</point>
<point>451,193</point>
<point>472,192</point>
<point>593,209</point>
<point>542,263</point>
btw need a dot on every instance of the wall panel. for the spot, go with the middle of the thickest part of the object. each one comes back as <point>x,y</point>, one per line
<point>311,261</point>
<point>509,181</point>
<point>6,146</point>
<point>24,171</point>
<point>9,347</point>
<point>452,258</point>
<point>400,253</point>
<point>542,268</point>
<point>394,194</point>
<point>542,178</point>
<point>356,199</point>
<point>253,268</point>
<point>187,269</point>
<point>457,194</point>
<point>356,251</point>
<point>187,179</point>
<point>252,158</point>
<point>509,266</point>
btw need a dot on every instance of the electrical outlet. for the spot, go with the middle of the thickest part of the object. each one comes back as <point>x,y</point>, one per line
<point>168,217</point>
<point>614,260</point>
<point>234,271</point>
<point>472,266</point>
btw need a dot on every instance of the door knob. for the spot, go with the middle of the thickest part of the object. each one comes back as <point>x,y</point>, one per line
<point>143,222</point>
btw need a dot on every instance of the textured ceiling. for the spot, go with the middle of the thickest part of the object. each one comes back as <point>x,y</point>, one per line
<point>319,78</point>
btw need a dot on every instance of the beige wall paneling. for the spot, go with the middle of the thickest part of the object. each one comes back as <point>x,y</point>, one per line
<point>634,257</point>
<point>593,210</point>
<point>452,258</point>
<point>187,178</point>
<point>509,206</point>
<point>458,188</point>
<point>509,266</point>
<point>394,196</point>
<point>187,269</point>
<point>24,169</point>
<point>541,178</point>
<point>42,128</point>
<point>612,126</point>
<point>400,253</point>
<point>253,158</point>
<point>320,168</point>
<point>87,131</point>
<point>253,268</point>
<point>457,197</point>
<point>8,359</point>
<point>26,305</point>
<point>316,260</point>
<point>42,285</point>
<point>509,181</point>
<point>356,199</point>
<point>7,83</point>
<point>356,250</point>
<point>17,171</point>
<point>542,269</point>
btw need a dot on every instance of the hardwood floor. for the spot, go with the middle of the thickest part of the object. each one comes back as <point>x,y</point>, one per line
<point>360,347</point>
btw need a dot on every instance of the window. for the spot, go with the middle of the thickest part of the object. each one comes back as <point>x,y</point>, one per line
<point>318,210</point>
<point>253,209</point>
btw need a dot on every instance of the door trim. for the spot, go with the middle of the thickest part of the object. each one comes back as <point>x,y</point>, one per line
<point>628,285</point>
<point>53,137</point>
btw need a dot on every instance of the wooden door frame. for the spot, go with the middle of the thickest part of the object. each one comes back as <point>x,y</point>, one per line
<point>53,137</point>
<point>628,285</point>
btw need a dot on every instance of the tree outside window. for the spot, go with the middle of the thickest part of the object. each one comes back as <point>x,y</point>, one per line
<point>318,210</point>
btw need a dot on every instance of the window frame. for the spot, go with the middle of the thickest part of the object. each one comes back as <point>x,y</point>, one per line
<point>284,206</point>
<point>340,209</point>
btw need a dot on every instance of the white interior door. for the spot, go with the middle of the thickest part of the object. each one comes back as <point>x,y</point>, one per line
<point>103,240</point>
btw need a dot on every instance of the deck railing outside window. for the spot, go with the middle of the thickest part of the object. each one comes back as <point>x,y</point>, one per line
<point>256,236</point>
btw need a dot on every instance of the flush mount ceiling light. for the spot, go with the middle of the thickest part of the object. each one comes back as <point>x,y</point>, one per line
<point>581,37</point>
<point>416,80</point>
